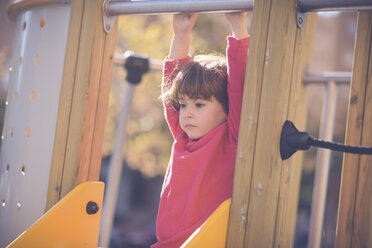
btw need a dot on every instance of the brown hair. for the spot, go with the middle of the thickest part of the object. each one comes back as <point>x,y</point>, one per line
<point>204,77</point>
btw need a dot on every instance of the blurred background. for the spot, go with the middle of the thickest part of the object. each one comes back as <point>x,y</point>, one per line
<point>146,155</point>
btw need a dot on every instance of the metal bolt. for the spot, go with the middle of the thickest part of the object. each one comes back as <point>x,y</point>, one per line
<point>92,207</point>
<point>300,20</point>
<point>23,170</point>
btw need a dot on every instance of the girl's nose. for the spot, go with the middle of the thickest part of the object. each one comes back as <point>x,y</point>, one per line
<point>189,113</point>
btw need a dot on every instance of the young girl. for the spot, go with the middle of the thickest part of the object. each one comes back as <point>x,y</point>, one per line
<point>202,100</point>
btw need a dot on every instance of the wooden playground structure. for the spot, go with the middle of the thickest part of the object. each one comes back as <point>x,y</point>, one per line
<point>263,208</point>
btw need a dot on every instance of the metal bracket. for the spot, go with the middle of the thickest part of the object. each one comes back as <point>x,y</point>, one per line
<point>108,21</point>
<point>300,16</point>
<point>291,140</point>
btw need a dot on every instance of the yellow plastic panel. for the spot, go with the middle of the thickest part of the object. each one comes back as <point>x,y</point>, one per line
<point>213,232</point>
<point>68,223</point>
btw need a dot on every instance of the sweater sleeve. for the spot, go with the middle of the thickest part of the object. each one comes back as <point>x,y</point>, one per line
<point>171,68</point>
<point>236,53</point>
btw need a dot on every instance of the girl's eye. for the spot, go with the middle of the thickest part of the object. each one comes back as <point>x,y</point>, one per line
<point>182,105</point>
<point>199,105</point>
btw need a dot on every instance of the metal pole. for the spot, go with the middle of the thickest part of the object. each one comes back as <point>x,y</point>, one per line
<point>115,169</point>
<point>339,77</point>
<point>322,167</point>
<point>174,6</point>
<point>333,5</point>
<point>155,65</point>
<point>115,8</point>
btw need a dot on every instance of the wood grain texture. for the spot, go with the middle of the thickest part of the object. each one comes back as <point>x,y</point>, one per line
<point>262,207</point>
<point>354,225</point>
<point>297,112</point>
<point>83,83</point>
<point>102,106</point>
<point>248,125</point>
<point>92,62</point>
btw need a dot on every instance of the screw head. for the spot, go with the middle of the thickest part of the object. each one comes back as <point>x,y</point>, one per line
<point>300,20</point>
<point>92,208</point>
<point>108,27</point>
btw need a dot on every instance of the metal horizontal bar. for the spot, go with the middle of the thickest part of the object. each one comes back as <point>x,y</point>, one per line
<point>174,6</point>
<point>338,77</point>
<point>333,5</point>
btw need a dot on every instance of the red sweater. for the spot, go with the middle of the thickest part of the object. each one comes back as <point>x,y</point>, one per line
<point>200,173</point>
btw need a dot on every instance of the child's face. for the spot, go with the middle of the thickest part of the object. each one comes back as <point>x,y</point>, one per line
<point>199,116</point>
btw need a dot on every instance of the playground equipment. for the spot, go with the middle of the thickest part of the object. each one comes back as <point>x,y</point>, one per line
<point>57,93</point>
<point>292,140</point>
<point>31,117</point>
<point>263,207</point>
<point>59,226</point>
<point>136,67</point>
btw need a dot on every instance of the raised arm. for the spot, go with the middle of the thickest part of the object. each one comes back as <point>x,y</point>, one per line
<point>179,49</point>
<point>236,54</point>
<point>182,25</point>
<point>178,55</point>
<point>238,24</point>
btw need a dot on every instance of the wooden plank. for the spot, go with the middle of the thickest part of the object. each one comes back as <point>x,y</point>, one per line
<point>79,99</point>
<point>64,109</point>
<point>363,202</point>
<point>84,102</point>
<point>260,214</point>
<point>102,105</point>
<point>297,112</point>
<point>267,165</point>
<point>354,224</point>
<point>248,128</point>
<point>91,61</point>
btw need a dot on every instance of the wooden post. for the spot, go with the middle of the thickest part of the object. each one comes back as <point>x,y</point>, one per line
<point>354,225</point>
<point>83,100</point>
<point>264,203</point>
<point>297,111</point>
